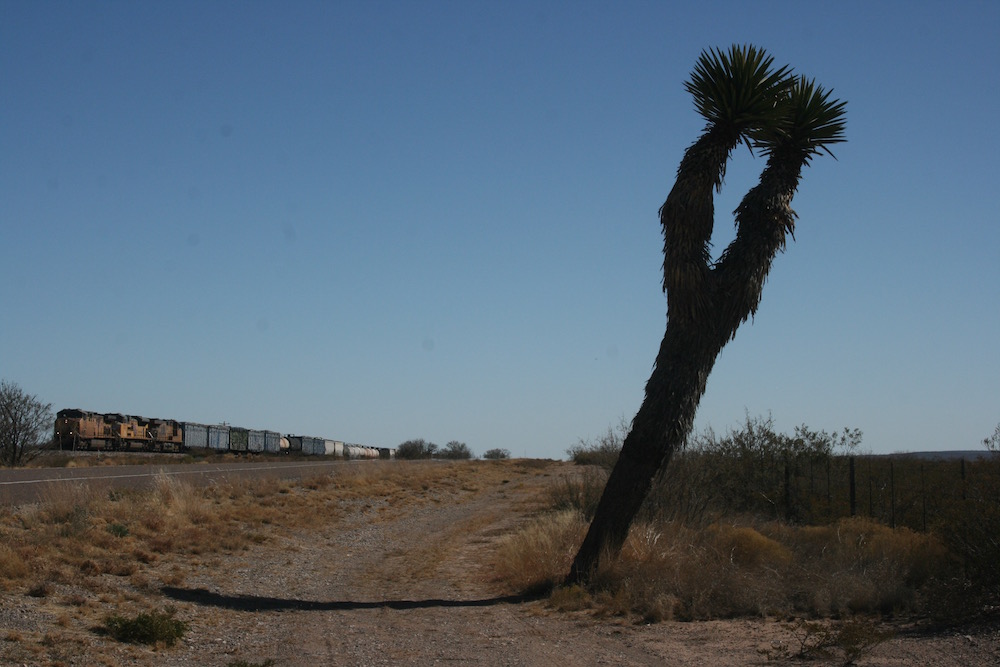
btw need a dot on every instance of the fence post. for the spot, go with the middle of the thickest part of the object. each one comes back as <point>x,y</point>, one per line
<point>923,495</point>
<point>854,505</point>
<point>871,490</point>
<point>892,496</point>
<point>788,493</point>
<point>829,497</point>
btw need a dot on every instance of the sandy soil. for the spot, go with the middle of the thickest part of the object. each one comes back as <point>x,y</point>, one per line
<point>349,594</point>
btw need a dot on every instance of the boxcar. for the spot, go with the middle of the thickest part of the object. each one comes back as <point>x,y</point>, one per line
<point>239,439</point>
<point>195,435</point>
<point>272,442</point>
<point>255,441</point>
<point>218,437</point>
<point>313,446</point>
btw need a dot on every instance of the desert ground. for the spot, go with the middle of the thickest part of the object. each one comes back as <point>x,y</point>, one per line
<point>385,575</point>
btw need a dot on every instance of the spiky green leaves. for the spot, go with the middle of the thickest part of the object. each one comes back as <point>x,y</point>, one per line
<point>742,96</point>
<point>737,91</point>
<point>809,123</point>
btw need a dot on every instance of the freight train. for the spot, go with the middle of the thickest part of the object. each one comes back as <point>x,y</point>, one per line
<point>80,429</point>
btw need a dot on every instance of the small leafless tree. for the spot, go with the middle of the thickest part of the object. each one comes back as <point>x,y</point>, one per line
<point>992,443</point>
<point>25,424</point>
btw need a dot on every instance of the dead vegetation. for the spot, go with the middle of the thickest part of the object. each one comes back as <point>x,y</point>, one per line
<point>673,572</point>
<point>71,563</point>
<point>86,557</point>
<point>759,523</point>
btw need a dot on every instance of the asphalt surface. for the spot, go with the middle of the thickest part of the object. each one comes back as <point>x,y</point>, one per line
<point>19,486</point>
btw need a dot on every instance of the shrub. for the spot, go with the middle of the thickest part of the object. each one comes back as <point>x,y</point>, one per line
<point>854,639</point>
<point>416,449</point>
<point>455,450</point>
<point>496,454</point>
<point>118,529</point>
<point>12,564</point>
<point>152,628</point>
<point>603,451</point>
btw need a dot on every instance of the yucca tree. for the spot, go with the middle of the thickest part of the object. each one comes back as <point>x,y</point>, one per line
<point>788,119</point>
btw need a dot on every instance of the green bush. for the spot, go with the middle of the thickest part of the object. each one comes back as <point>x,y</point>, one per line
<point>152,628</point>
<point>118,529</point>
<point>496,454</point>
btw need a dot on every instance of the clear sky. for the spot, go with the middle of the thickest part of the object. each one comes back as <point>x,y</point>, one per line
<point>376,221</point>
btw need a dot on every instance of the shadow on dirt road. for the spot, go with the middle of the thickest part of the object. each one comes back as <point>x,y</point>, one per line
<point>207,598</point>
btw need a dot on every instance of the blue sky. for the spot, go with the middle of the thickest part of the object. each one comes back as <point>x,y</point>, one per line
<point>376,221</point>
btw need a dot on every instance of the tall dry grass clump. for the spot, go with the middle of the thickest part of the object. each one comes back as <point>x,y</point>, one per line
<point>579,491</point>
<point>537,557</point>
<point>671,571</point>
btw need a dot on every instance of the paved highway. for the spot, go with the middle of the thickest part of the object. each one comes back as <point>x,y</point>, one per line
<point>28,485</point>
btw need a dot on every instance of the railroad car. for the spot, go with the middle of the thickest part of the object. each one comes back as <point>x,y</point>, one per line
<point>239,439</point>
<point>218,437</point>
<point>195,435</point>
<point>333,448</point>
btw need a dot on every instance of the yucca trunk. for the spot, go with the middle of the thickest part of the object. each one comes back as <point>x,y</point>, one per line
<point>728,294</point>
<point>687,218</point>
<point>675,387</point>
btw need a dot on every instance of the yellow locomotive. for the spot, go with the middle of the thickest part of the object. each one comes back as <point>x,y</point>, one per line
<point>79,429</point>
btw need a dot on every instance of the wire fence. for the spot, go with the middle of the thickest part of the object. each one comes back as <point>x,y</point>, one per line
<point>899,491</point>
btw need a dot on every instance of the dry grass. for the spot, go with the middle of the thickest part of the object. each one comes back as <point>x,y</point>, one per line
<point>88,555</point>
<point>668,570</point>
<point>84,556</point>
<point>77,531</point>
<point>537,556</point>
